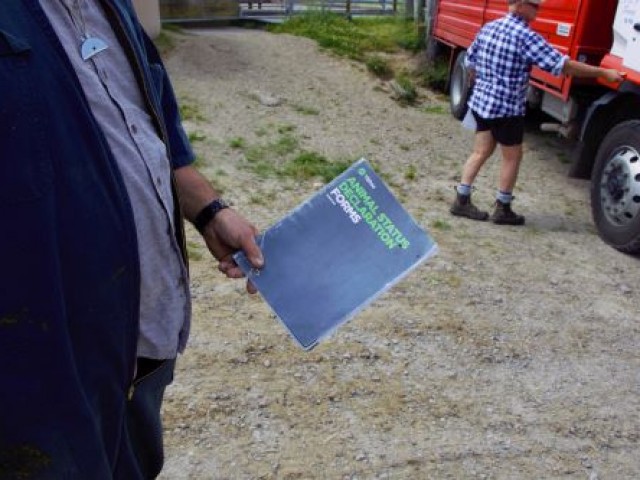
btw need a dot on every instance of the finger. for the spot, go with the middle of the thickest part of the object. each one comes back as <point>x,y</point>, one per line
<point>251,288</point>
<point>234,272</point>
<point>225,265</point>
<point>252,251</point>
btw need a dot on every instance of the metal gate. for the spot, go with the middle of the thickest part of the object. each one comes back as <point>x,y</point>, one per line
<point>186,11</point>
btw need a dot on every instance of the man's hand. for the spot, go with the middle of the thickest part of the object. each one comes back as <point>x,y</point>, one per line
<point>227,233</point>
<point>613,76</point>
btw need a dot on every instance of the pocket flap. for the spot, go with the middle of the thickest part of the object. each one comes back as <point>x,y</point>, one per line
<point>11,45</point>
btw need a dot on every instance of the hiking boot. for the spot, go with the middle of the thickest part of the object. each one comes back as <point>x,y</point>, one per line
<point>503,215</point>
<point>462,207</point>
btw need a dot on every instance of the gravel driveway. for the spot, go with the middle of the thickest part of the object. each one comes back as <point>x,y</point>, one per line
<point>512,354</point>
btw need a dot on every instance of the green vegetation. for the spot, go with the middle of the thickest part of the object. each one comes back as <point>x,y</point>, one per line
<point>353,38</point>
<point>284,158</point>
<point>164,42</point>
<point>411,173</point>
<point>237,142</point>
<point>378,66</point>
<point>435,75</point>
<point>190,111</point>
<point>304,110</point>
<point>196,137</point>
<point>309,165</point>
<point>440,225</point>
<point>435,109</point>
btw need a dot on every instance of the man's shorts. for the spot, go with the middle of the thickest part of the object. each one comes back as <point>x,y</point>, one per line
<point>507,131</point>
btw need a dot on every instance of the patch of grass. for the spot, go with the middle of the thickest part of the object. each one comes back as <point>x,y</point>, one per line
<point>408,89</point>
<point>237,142</point>
<point>411,173</point>
<point>193,251</point>
<point>353,39</point>
<point>286,128</point>
<point>190,111</point>
<point>379,66</point>
<point>198,162</point>
<point>309,165</point>
<point>196,137</point>
<point>164,42</point>
<point>435,75</point>
<point>435,109</point>
<point>286,144</point>
<point>305,110</point>
<point>439,224</point>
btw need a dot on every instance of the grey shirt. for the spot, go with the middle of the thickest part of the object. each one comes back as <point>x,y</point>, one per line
<point>117,104</point>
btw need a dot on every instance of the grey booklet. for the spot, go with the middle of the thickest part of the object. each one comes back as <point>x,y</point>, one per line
<point>335,253</point>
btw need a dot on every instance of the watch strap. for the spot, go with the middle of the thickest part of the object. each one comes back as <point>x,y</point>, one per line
<point>208,213</point>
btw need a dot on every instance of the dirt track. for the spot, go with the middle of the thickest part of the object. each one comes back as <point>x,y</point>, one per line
<point>511,354</point>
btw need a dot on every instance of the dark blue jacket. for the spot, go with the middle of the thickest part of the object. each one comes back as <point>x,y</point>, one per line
<point>69,275</point>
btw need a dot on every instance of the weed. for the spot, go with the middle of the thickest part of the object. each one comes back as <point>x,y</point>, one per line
<point>435,75</point>
<point>434,109</point>
<point>286,128</point>
<point>305,110</point>
<point>310,165</point>
<point>196,137</point>
<point>237,142</point>
<point>378,66</point>
<point>189,111</point>
<point>439,224</point>
<point>407,92</point>
<point>411,173</point>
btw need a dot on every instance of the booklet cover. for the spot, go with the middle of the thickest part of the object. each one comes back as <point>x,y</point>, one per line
<point>335,253</point>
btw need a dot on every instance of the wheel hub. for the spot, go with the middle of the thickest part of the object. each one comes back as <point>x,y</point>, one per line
<point>620,187</point>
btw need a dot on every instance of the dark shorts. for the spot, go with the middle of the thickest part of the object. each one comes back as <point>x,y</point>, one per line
<point>507,131</point>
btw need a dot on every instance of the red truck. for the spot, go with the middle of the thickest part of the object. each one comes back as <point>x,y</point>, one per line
<point>603,118</point>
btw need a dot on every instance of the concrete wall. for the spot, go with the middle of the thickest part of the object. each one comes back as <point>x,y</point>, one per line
<point>149,14</point>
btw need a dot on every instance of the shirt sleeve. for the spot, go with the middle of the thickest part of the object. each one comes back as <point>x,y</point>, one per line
<point>538,52</point>
<point>471,58</point>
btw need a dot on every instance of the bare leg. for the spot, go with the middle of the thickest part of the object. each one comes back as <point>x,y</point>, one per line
<point>511,157</point>
<point>483,146</point>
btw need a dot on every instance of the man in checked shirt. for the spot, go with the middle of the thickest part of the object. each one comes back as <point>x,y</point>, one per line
<point>499,62</point>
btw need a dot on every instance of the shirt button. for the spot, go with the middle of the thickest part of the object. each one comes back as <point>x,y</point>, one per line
<point>134,129</point>
<point>158,181</point>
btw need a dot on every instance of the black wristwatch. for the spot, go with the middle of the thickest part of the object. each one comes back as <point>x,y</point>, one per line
<point>207,213</point>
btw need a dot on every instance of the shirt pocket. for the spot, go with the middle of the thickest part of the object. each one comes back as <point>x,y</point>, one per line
<point>25,163</point>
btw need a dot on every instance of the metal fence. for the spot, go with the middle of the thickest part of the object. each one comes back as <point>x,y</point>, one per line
<point>215,10</point>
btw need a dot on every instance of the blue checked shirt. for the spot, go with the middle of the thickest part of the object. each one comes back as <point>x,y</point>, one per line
<point>502,55</point>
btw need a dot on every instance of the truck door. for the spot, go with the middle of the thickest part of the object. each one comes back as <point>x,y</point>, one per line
<point>626,28</point>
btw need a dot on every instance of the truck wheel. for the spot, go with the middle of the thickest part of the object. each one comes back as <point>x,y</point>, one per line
<point>459,87</point>
<point>615,187</point>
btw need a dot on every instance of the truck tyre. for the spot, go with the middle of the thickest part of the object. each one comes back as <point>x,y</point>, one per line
<point>615,187</point>
<point>459,87</point>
